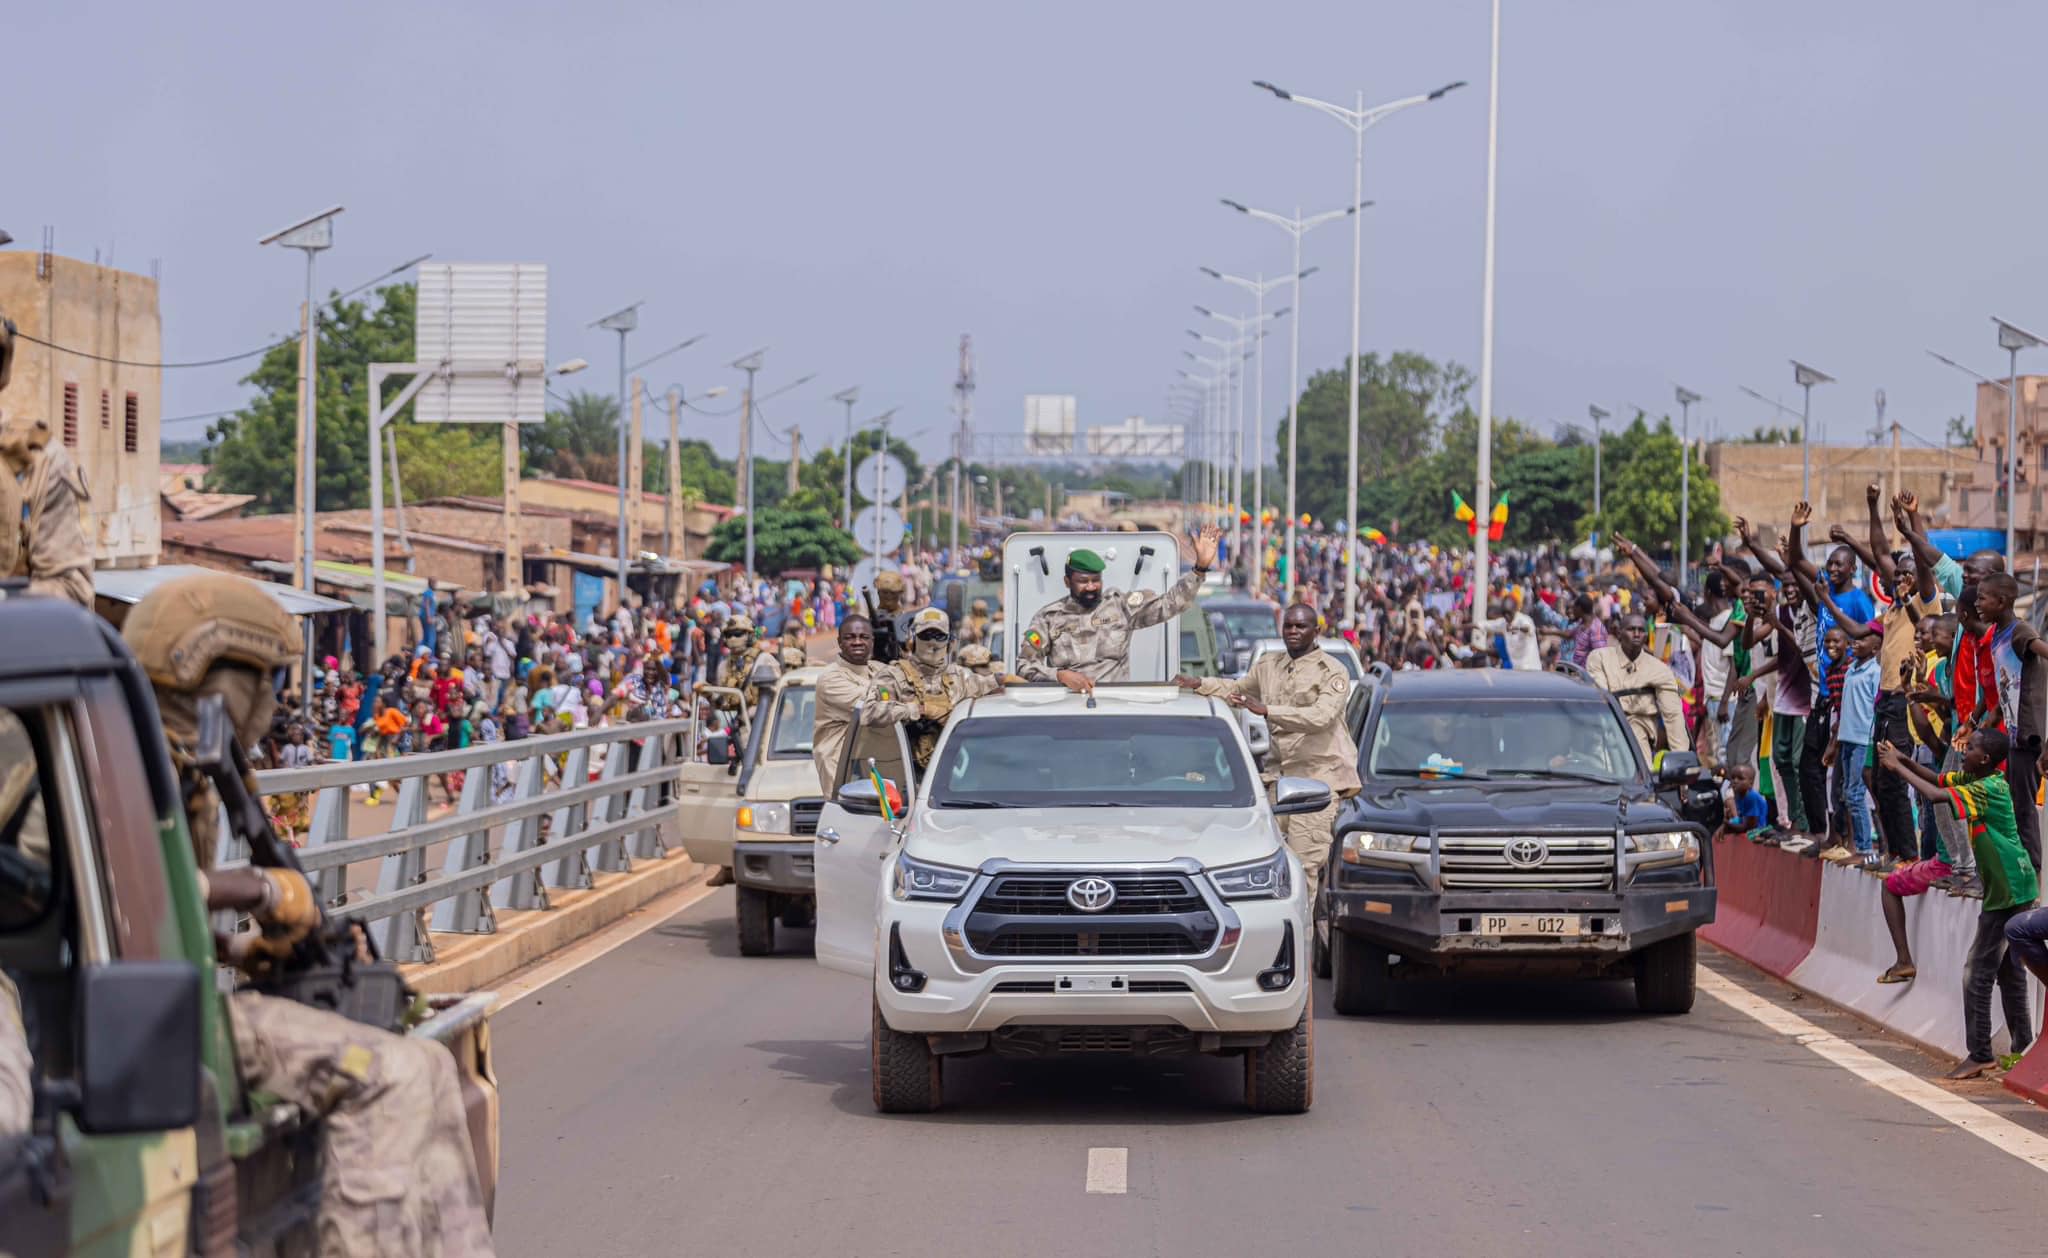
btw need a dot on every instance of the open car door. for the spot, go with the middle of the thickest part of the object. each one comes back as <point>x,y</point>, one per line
<point>853,851</point>
<point>1034,576</point>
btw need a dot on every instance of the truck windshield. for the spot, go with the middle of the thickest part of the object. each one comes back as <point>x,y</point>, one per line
<point>1502,738</point>
<point>1249,622</point>
<point>1094,762</point>
<point>794,712</point>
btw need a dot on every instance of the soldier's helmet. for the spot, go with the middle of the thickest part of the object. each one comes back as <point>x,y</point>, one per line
<point>793,657</point>
<point>981,606</point>
<point>975,656</point>
<point>737,625</point>
<point>888,583</point>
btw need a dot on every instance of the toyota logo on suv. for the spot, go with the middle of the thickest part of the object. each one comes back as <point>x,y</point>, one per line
<point>1091,895</point>
<point>1526,853</point>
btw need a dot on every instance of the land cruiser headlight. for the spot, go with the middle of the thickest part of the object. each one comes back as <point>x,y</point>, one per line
<point>1359,844</point>
<point>917,880</point>
<point>1683,844</point>
<point>764,818</point>
<point>1258,880</point>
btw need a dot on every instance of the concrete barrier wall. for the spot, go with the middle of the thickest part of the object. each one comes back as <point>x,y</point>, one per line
<point>1821,927</point>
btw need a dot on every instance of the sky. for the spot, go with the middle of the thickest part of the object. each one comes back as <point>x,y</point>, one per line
<point>1689,194</point>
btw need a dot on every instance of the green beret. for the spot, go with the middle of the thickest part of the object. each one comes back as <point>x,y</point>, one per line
<point>1084,561</point>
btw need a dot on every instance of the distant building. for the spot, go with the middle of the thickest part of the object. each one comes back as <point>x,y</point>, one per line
<point>1981,503</point>
<point>108,415</point>
<point>1049,423</point>
<point>1760,482</point>
<point>1137,438</point>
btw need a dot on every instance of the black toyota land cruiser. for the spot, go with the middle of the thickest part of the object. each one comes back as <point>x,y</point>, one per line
<point>1508,824</point>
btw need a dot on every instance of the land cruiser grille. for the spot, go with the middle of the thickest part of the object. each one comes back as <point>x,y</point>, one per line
<point>1023,895</point>
<point>803,815</point>
<point>1570,863</point>
<point>1154,914</point>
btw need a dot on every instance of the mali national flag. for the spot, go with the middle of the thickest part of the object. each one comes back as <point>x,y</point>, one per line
<point>1373,535</point>
<point>1499,524</point>
<point>1463,513</point>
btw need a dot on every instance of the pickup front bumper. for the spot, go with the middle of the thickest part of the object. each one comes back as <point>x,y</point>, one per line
<point>783,866</point>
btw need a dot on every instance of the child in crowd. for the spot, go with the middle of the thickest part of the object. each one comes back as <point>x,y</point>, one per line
<point>1849,753</point>
<point>1983,798</point>
<point>1744,810</point>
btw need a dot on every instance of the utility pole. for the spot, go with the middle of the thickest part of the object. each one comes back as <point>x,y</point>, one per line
<point>963,405</point>
<point>515,550</point>
<point>1597,414</point>
<point>796,438</point>
<point>636,452</point>
<point>672,522</point>
<point>750,364</point>
<point>847,397</point>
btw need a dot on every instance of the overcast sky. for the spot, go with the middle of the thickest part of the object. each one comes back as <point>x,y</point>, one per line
<point>1689,193</point>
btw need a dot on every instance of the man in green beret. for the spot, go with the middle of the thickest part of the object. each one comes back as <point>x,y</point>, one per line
<point>1086,636</point>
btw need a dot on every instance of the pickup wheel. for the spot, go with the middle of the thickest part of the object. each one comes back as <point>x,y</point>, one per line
<point>1362,980</point>
<point>1667,975</point>
<point>755,909</point>
<point>1320,949</point>
<point>905,1069</point>
<point>1281,1077</point>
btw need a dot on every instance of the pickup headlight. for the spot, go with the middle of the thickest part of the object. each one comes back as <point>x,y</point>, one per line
<point>764,818</point>
<point>1683,845</point>
<point>1360,844</point>
<point>1256,880</point>
<point>918,880</point>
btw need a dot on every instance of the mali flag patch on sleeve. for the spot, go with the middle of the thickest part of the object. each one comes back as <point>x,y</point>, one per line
<point>1034,639</point>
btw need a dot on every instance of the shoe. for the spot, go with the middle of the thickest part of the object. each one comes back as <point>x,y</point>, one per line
<point>1971,887</point>
<point>1970,1068</point>
<point>1800,845</point>
<point>1836,854</point>
<point>372,799</point>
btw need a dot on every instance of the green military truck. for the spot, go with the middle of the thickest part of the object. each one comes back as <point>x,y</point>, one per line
<point>144,1139</point>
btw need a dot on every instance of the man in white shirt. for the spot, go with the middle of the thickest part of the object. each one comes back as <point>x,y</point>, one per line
<point>1515,625</point>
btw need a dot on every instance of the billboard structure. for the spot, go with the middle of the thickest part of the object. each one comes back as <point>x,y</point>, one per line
<point>1135,438</point>
<point>486,325</point>
<point>1049,423</point>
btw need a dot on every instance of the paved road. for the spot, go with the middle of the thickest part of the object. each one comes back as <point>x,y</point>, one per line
<point>671,1097</point>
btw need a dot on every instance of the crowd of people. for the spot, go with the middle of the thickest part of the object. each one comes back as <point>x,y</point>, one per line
<point>1883,709</point>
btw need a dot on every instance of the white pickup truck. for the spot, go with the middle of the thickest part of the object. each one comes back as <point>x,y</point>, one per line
<point>1074,876</point>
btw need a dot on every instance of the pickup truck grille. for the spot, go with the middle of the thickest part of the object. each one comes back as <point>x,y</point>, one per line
<point>1571,862</point>
<point>1023,895</point>
<point>1154,914</point>
<point>803,815</point>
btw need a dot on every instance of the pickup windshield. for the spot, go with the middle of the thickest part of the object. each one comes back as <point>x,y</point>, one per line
<point>1446,739</point>
<point>795,711</point>
<point>1248,622</point>
<point>1094,762</point>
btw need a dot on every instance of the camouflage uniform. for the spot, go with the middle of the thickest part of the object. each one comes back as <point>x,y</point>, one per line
<point>976,658</point>
<point>1097,642</point>
<point>398,1176</point>
<point>937,685</point>
<point>891,619</point>
<point>1304,701</point>
<point>42,499</point>
<point>877,687</point>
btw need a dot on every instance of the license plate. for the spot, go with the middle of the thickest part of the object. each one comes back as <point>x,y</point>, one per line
<point>1091,983</point>
<point>1556,926</point>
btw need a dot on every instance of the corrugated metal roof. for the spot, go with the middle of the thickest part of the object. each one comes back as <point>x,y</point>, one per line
<point>130,585</point>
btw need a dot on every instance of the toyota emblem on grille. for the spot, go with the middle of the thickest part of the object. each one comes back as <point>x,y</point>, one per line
<point>1526,853</point>
<point>1091,895</point>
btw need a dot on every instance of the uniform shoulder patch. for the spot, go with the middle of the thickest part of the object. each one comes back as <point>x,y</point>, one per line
<point>1136,598</point>
<point>1034,639</point>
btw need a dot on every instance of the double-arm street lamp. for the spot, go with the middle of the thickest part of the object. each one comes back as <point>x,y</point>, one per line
<point>1359,119</point>
<point>1258,288</point>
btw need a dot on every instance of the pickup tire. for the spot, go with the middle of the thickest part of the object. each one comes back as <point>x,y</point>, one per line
<point>1281,1077</point>
<point>1321,952</point>
<point>1667,975</point>
<point>1361,977</point>
<point>905,1069</point>
<point>755,910</point>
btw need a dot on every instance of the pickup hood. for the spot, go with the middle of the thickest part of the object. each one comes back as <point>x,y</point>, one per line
<point>1092,836</point>
<point>1538,807</point>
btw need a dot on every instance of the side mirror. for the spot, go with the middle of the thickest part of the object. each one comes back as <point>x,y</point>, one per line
<point>861,799</point>
<point>1678,768</point>
<point>140,1059</point>
<point>1292,796</point>
<point>717,749</point>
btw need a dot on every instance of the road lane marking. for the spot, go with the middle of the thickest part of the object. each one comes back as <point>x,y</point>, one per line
<point>592,947</point>
<point>2001,1133</point>
<point>1107,1170</point>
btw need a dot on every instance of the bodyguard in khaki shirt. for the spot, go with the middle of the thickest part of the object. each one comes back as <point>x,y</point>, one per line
<point>1646,687</point>
<point>852,678</point>
<point>1301,694</point>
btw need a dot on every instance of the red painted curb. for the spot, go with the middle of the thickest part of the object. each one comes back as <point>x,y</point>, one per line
<point>1769,904</point>
<point>2030,1077</point>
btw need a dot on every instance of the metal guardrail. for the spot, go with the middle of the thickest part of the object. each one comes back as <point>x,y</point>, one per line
<point>555,829</point>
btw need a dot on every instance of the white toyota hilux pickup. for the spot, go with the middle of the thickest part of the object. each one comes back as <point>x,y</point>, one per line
<point>1071,875</point>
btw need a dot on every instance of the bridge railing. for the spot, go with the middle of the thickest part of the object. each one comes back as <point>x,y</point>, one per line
<point>551,827</point>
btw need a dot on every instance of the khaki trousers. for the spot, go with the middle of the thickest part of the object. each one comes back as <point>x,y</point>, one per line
<point>1308,834</point>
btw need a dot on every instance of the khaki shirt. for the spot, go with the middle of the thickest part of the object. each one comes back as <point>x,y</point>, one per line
<point>48,502</point>
<point>1649,694</point>
<point>1097,644</point>
<point>1304,700</point>
<point>872,685</point>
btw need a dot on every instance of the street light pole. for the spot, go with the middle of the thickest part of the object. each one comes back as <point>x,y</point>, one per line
<point>1358,119</point>
<point>750,364</point>
<point>848,397</point>
<point>1482,574</point>
<point>1686,397</point>
<point>1597,415</point>
<point>2012,340</point>
<point>1806,377</point>
<point>622,322</point>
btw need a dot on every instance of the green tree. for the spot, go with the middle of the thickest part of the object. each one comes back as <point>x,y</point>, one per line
<point>1548,489</point>
<point>579,440</point>
<point>784,539</point>
<point>253,451</point>
<point>1403,400</point>
<point>1641,494</point>
<point>1959,431</point>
